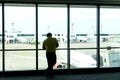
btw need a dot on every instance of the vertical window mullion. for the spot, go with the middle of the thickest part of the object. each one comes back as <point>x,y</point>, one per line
<point>36,37</point>
<point>98,36</point>
<point>68,36</point>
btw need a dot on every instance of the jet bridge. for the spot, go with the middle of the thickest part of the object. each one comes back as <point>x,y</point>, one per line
<point>111,59</point>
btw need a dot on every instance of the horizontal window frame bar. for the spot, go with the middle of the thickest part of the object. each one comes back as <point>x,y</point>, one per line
<point>59,49</point>
<point>65,3</point>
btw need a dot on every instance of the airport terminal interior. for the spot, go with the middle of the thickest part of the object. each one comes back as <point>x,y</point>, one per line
<point>87,31</point>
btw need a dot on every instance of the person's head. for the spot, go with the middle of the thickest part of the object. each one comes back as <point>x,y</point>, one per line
<point>49,34</point>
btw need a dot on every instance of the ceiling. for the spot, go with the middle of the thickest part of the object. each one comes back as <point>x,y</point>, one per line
<point>67,1</point>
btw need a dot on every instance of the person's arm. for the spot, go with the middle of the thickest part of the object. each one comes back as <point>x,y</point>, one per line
<point>57,45</point>
<point>43,46</point>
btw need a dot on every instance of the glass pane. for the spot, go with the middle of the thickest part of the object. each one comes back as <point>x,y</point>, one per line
<point>0,37</point>
<point>110,35</point>
<point>0,27</point>
<point>52,18</point>
<point>19,34</point>
<point>83,58</point>
<point>83,26</point>
<point>19,26</point>
<point>82,35</point>
<point>42,62</point>
<point>110,58</point>
<point>20,60</point>
<point>61,60</point>
<point>0,60</point>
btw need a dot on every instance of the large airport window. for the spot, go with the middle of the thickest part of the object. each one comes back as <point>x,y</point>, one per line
<point>82,35</point>
<point>76,27</point>
<point>110,36</point>
<point>52,18</point>
<point>20,37</point>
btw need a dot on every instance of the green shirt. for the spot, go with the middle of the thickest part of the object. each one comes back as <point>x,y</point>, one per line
<point>50,44</point>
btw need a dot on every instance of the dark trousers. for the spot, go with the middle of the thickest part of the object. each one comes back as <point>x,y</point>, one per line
<point>51,60</point>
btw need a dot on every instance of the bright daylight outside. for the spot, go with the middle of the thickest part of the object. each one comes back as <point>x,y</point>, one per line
<point>20,36</point>
<point>110,36</point>
<point>0,38</point>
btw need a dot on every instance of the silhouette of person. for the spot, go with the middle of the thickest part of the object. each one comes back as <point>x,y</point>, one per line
<point>50,44</point>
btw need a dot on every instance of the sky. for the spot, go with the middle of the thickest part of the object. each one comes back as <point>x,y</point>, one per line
<point>82,20</point>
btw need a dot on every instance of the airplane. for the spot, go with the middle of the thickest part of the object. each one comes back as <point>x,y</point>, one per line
<point>77,59</point>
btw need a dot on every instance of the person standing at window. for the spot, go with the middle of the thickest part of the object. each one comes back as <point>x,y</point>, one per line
<point>50,44</point>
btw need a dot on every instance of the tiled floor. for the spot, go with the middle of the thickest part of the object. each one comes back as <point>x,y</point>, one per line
<point>100,76</point>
